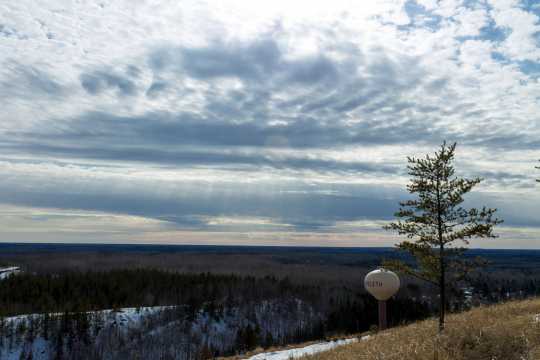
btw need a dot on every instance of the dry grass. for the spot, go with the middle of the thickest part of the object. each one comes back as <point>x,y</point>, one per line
<point>501,332</point>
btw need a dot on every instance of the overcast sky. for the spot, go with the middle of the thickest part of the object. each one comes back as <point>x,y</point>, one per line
<point>260,122</point>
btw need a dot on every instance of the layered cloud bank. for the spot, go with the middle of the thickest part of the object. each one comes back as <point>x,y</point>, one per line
<point>246,123</point>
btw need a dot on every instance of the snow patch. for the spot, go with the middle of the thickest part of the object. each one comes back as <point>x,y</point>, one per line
<point>8,271</point>
<point>307,350</point>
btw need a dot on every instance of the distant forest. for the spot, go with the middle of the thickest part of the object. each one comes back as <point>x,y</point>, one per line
<point>249,299</point>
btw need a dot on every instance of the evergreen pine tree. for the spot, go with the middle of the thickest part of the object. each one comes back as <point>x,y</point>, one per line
<point>59,346</point>
<point>269,340</point>
<point>250,337</point>
<point>437,224</point>
<point>45,328</point>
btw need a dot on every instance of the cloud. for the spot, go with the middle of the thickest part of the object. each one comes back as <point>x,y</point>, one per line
<point>523,26</point>
<point>156,89</point>
<point>300,116</point>
<point>257,60</point>
<point>252,60</point>
<point>7,31</point>
<point>230,159</point>
<point>98,81</point>
<point>29,81</point>
<point>189,204</point>
<point>160,129</point>
<point>194,203</point>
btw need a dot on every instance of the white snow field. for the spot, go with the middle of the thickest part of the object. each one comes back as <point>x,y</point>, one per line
<point>307,350</point>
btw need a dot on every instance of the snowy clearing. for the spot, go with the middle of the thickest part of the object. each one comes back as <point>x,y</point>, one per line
<point>307,350</point>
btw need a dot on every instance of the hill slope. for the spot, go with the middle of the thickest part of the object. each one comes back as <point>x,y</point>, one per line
<point>504,332</point>
<point>508,331</point>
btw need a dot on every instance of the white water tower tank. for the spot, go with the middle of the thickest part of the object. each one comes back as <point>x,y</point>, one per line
<point>382,284</point>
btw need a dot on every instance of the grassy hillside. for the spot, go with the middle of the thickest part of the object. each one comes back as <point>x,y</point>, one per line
<point>508,331</point>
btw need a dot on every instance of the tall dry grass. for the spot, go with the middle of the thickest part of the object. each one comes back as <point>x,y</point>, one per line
<point>500,332</point>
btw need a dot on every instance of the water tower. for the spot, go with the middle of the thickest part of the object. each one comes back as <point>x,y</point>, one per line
<point>382,284</point>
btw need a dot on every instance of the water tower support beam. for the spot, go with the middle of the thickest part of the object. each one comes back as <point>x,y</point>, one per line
<point>383,324</point>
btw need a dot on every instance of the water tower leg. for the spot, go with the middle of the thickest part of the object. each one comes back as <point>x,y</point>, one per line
<point>382,315</point>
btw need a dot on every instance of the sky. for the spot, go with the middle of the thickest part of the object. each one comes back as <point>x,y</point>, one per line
<point>260,122</point>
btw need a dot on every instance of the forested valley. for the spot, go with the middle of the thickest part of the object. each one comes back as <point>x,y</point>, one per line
<point>176,312</point>
<point>208,315</point>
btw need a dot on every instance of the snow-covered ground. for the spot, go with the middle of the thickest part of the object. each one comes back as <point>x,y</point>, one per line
<point>7,271</point>
<point>131,317</point>
<point>148,330</point>
<point>307,350</point>
<point>124,318</point>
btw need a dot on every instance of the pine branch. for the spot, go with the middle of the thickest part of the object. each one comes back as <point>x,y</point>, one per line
<point>401,267</point>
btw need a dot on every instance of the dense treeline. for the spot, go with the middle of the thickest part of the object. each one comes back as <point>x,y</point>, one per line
<point>84,291</point>
<point>496,287</point>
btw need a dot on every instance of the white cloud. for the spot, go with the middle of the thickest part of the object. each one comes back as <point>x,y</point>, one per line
<point>523,27</point>
<point>470,22</point>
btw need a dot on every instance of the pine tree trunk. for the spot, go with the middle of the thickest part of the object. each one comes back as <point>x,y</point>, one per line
<point>442,289</point>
